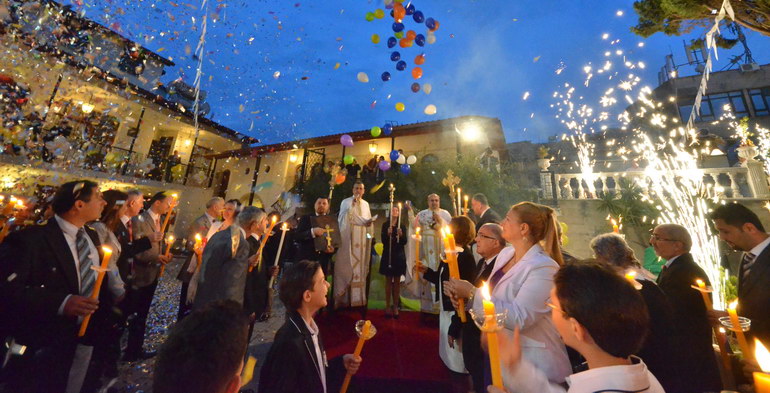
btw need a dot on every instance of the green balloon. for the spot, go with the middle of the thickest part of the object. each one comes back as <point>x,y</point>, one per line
<point>376,131</point>
<point>369,17</point>
<point>399,35</point>
<point>348,159</point>
<point>379,13</point>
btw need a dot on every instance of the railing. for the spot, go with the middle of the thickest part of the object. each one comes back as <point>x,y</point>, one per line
<point>747,182</point>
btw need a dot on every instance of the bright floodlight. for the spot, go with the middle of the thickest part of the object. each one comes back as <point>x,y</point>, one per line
<point>470,132</point>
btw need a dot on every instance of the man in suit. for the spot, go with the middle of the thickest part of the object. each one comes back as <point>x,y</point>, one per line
<point>200,226</point>
<point>146,271</point>
<point>125,235</point>
<point>45,285</point>
<point>484,214</point>
<point>226,260</point>
<point>255,298</point>
<point>740,228</point>
<point>296,362</point>
<point>306,233</point>
<point>672,242</point>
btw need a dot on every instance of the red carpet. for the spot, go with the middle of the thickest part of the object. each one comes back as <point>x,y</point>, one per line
<point>402,357</point>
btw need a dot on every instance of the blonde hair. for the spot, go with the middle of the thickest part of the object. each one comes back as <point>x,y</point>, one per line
<point>542,227</point>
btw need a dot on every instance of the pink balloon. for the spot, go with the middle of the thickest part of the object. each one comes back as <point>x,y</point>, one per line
<point>346,140</point>
<point>384,166</point>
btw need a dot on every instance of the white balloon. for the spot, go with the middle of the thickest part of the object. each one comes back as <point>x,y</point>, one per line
<point>431,39</point>
<point>401,159</point>
<point>411,160</point>
<point>427,88</point>
<point>362,77</point>
<point>388,2</point>
<point>430,109</point>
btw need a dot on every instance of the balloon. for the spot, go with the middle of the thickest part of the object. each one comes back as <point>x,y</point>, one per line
<point>379,13</point>
<point>420,59</point>
<point>398,12</point>
<point>411,160</point>
<point>401,159</point>
<point>387,129</point>
<point>411,34</point>
<point>346,140</point>
<point>395,56</point>
<point>378,248</point>
<point>419,39</point>
<point>394,155</point>
<point>392,41</point>
<point>369,17</point>
<point>409,9</point>
<point>398,27</point>
<point>430,23</point>
<point>427,88</point>
<point>348,159</point>
<point>406,169</point>
<point>430,109</point>
<point>384,166</point>
<point>415,87</point>
<point>388,3</point>
<point>400,106</point>
<point>416,72</point>
<point>418,17</point>
<point>362,77</point>
<point>431,38</point>
<point>436,26</point>
<point>375,38</point>
<point>401,65</point>
<point>339,179</point>
<point>399,35</point>
<point>385,76</point>
<point>376,131</point>
<point>405,43</point>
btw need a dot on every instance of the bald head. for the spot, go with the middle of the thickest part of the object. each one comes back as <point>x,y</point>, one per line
<point>434,202</point>
<point>676,232</point>
<point>489,240</point>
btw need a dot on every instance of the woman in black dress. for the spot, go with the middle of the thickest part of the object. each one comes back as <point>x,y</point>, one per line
<point>393,262</point>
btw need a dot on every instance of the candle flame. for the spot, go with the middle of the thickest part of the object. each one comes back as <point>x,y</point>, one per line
<point>631,275</point>
<point>170,238</point>
<point>284,227</point>
<point>733,305</point>
<point>485,291</point>
<point>175,195</point>
<point>399,205</point>
<point>762,356</point>
<point>700,283</point>
<point>106,250</point>
<point>198,237</point>
<point>614,223</point>
<point>275,218</point>
<point>417,231</point>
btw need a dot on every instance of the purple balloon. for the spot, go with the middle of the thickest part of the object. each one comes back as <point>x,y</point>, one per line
<point>406,169</point>
<point>384,166</point>
<point>346,140</point>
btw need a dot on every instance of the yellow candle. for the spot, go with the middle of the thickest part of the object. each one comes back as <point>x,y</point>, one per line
<point>490,328</point>
<point>169,243</point>
<point>264,241</point>
<point>168,215</point>
<point>762,379</point>
<point>417,262</point>
<point>198,248</point>
<point>465,199</point>
<point>359,346</point>
<point>399,218</point>
<point>454,270</point>
<point>9,206</point>
<point>704,292</point>
<point>95,292</point>
<point>737,329</point>
<point>615,227</point>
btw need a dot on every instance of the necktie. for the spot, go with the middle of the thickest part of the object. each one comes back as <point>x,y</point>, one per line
<point>87,275</point>
<point>157,224</point>
<point>748,261</point>
<point>130,228</point>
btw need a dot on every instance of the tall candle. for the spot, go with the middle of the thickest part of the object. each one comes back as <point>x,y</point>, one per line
<point>704,292</point>
<point>95,292</point>
<point>459,203</point>
<point>454,270</point>
<point>762,379</point>
<point>731,310</point>
<point>168,215</point>
<point>490,328</point>
<point>169,243</point>
<point>198,249</point>
<point>465,199</point>
<point>264,241</point>
<point>399,217</point>
<point>417,262</point>
<point>357,352</point>
<point>284,229</point>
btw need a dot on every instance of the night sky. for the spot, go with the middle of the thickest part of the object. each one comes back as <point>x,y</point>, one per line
<point>489,55</point>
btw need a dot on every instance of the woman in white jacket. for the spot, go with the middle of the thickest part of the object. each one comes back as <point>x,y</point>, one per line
<point>521,282</point>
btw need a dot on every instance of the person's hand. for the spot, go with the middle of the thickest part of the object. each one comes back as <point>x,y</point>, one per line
<point>318,232</point>
<point>460,289</point>
<point>510,348</point>
<point>164,259</point>
<point>421,268</point>
<point>714,315</point>
<point>400,233</point>
<point>329,250</point>
<point>352,363</point>
<point>452,341</point>
<point>390,230</point>
<point>253,260</point>
<point>155,237</point>
<point>80,306</point>
<point>274,271</point>
<point>253,317</point>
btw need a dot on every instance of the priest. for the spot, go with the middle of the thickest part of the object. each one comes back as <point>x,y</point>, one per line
<point>430,222</point>
<point>352,264</point>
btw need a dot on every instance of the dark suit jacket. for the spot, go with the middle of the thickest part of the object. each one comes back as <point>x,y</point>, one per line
<point>200,226</point>
<point>754,296</point>
<point>128,250</point>
<point>305,247</point>
<point>292,365</point>
<point>224,268</point>
<point>146,263</point>
<point>467,266</point>
<point>255,299</point>
<point>660,351</point>
<point>692,328</point>
<point>489,216</point>
<point>471,335</point>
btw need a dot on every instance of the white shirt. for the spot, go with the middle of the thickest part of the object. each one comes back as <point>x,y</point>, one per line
<point>670,261</point>
<point>125,220</point>
<point>70,232</point>
<point>155,218</point>
<point>210,218</point>
<point>760,247</point>
<point>313,328</point>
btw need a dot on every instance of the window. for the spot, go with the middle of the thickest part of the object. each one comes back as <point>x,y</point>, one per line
<point>712,106</point>
<point>760,98</point>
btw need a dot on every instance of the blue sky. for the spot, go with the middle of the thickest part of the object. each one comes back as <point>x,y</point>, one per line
<point>487,55</point>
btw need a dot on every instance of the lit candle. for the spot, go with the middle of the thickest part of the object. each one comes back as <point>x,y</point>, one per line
<point>264,241</point>
<point>169,243</point>
<point>615,227</point>
<point>454,270</point>
<point>762,379</point>
<point>359,346</point>
<point>705,293</point>
<point>399,217</point>
<point>631,277</point>
<point>284,229</point>
<point>465,199</point>
<point>168,215</point>
<point>417,262</point>
<point>95,292</point>
<point>490,328</point>
<point>9,206</point>
<point>731,310</point>
<point>198,249</point>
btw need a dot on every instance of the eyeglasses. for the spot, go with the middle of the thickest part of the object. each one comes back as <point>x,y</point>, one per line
<point>660,239</point>
<point>553,306</point>
<point>485,236</point>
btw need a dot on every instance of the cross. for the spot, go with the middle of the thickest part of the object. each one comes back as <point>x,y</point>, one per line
<point>451,181</point>
<point>329,237</point>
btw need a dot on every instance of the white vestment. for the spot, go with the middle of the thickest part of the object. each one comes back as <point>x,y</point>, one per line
<point>431,246</point>
<point>352,264</point>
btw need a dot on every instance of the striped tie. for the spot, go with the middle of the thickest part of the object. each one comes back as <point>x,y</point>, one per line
<point>87,275</point>
<point>748,261</point>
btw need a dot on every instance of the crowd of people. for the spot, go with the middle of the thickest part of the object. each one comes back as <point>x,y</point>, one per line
<point>572,325</point>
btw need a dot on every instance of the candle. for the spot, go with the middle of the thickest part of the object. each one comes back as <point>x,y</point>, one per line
<point>95,292</point>
<point>490,328</point>
<point>198,249</point>
<point>459,200</point>
<point>454,270</point>
<point>731,310</point>
<point>762,379</point>
<point>465,199</point>
<point>169,243</point>
<point>417,263</point>
<point>168,215</point>
<point>9,206</point>
<point>359,346</point>
<point>264,241</point>
<point>705,293</point>
<point>284,229</point>
<point>615,227</point>
<point>631,277</point>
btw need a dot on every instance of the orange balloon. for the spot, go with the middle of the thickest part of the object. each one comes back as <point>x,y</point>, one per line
<point>405,42</point>
<point>420,59</point>
<point>417,72</point>
<point>339,179</point>
<point>399,12</point>
<point>436,26</point>
<point>411,34</point>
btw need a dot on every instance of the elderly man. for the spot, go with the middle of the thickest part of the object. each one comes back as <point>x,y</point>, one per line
<point>672,242</point>
<point>429,221</point>
<point>352,265</point>
<point>226,260</point>
<point>483,213</point>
